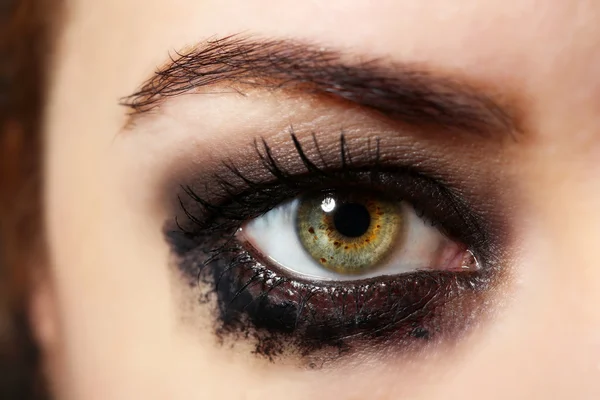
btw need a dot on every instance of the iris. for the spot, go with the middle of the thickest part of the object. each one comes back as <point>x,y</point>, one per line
<point>346,232</point>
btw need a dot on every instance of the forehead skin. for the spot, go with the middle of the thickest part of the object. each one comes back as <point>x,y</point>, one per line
<point>115,305</point>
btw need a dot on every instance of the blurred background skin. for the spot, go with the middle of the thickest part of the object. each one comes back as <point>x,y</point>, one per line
<point>548,347</point>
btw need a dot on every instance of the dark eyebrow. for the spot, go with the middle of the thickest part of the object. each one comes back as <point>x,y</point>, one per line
<point>402,92</point>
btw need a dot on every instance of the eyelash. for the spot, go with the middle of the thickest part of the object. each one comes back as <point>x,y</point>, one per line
<point>278,311</point>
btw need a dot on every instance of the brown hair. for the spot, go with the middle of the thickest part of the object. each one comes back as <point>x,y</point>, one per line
<point>24,28</point>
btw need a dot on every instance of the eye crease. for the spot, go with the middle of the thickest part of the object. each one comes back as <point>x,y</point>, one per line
<point>404,254</point>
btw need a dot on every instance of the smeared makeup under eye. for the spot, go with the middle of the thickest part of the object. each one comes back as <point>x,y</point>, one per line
<point>286,316</point>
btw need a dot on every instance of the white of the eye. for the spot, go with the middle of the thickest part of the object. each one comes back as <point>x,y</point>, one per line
<point>274,236</point>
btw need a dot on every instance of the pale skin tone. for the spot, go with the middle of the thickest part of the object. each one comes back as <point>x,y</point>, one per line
<point>114,320</point>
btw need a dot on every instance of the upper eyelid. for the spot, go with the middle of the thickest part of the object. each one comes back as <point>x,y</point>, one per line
<point>277,173</point>
<point>401,92</point>
<point>303,153</point>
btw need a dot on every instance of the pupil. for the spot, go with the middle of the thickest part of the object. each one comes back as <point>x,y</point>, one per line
<point>352,219</point>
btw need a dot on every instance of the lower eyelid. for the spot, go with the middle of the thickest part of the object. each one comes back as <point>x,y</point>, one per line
<point>409,311</point>
<point>286,317</point>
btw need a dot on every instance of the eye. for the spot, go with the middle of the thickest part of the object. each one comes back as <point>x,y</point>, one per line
<point>343,235</point>
<point>383,255</point>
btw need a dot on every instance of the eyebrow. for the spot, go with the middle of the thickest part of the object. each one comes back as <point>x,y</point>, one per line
<point>403,92</point>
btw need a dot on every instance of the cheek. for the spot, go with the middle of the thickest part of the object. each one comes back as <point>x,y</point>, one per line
<point>108,268</point>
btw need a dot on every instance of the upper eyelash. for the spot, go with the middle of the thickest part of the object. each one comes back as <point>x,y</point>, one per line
<point>236,204</point>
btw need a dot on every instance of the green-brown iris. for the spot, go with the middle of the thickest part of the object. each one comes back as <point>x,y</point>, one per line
<point>346,232</point>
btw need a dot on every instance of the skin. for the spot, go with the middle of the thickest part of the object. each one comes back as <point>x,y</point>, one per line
<point>114,320</point>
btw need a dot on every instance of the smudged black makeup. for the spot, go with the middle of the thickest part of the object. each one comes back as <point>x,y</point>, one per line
<point>284,315</point>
